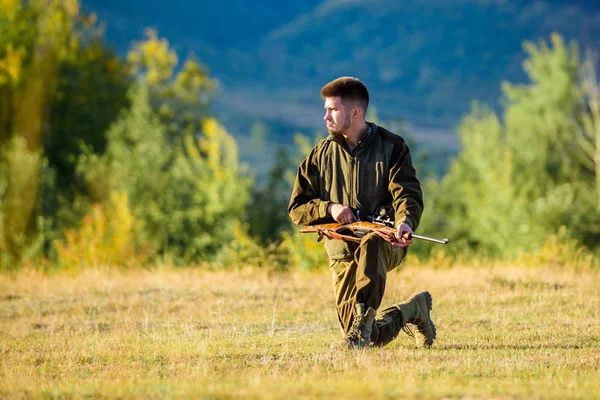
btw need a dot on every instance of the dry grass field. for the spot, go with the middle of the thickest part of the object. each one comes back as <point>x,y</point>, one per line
<point>503,332</point>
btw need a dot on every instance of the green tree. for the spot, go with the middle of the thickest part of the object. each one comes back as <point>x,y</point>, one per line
<point>477,204</point>
<point>540,117</point>
<point>514,184</point>
<point>33,36</point>
<point>588,138</point>
<point>543,126</point>
<point>187,195</point>
<point>267,209</point>
<point>181,99</point>
<point>91,91</point>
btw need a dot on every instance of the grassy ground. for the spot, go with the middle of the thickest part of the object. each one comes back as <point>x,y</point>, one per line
<point>502,333</point>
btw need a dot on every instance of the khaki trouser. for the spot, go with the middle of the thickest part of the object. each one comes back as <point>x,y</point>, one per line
<point>362,280</point>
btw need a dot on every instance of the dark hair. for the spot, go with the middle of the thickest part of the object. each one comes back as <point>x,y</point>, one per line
<point>348,88</point>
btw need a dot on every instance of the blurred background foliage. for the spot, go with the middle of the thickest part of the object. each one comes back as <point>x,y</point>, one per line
<point>120,160</point>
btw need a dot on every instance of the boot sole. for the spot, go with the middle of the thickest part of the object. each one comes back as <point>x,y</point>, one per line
<point>429,301</point>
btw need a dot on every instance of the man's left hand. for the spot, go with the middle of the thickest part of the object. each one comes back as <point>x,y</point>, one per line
<point>403,235</point>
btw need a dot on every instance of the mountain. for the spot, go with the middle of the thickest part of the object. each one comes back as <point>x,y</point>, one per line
<point>424,61</point>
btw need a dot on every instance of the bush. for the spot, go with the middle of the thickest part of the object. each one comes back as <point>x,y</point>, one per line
<point>186,193</point>
<point>105,237</point>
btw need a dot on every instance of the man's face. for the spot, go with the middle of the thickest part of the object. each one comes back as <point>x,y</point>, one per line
<point>337,116</point>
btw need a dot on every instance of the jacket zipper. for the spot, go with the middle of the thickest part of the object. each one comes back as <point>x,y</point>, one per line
<point>353,182</point>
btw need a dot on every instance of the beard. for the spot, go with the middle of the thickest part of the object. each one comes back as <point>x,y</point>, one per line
<point>340,130</point>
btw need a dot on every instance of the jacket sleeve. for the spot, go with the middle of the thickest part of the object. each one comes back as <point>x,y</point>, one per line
<point>305,205</point>
<point>405,188</point>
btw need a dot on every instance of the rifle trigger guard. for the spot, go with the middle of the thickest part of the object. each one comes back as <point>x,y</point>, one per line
<point>321,234</point>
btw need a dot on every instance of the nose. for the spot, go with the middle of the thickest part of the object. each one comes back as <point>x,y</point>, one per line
<point>327,116</point>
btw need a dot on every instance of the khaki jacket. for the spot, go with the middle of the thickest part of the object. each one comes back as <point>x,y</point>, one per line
<point>378,173</point>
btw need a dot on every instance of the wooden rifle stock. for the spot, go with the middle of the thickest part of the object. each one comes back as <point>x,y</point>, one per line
<point>354,232</point>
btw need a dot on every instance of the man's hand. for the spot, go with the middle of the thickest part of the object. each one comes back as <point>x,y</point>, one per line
<point>403,235</point>
<point>341,213</point>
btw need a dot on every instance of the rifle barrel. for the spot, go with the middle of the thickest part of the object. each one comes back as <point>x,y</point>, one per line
<point>430,239</point>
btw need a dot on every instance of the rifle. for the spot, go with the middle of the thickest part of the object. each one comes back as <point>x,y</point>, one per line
<point>355,231</point>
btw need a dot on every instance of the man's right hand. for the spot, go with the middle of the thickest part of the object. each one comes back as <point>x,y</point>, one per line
<point>341,213</point>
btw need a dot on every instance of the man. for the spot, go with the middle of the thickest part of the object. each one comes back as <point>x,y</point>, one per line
<point>362,167</point>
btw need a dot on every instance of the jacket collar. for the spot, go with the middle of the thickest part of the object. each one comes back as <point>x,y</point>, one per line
<point>366,139</point>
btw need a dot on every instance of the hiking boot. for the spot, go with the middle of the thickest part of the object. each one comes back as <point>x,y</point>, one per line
<point>416,311</point>
<point>359,335</point>
<point>391,321</point>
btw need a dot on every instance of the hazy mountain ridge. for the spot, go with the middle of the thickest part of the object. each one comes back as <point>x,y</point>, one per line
<point>427,58</point>
<point>423,60</point>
